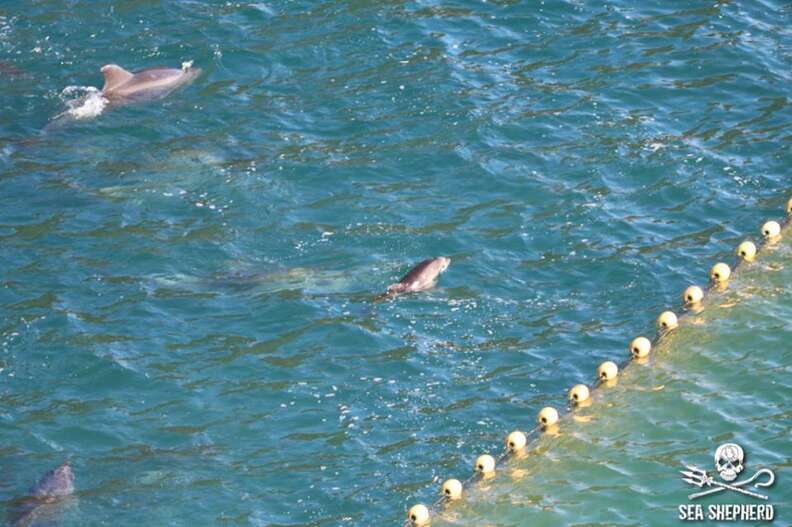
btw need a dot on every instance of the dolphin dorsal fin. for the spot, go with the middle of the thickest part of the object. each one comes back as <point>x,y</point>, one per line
<point>114,76</point>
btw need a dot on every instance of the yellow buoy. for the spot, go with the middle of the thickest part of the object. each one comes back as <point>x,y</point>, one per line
<point>607,370</point>
<point>516,441</point>
<point>452,489</point>
<point>548,416</point>
<point>789,206</point>
<point>418,515</point>
<point>747,251</point>
<point>720,272</point>
<point>640,347</point>
<point>579,393</point>
<point>667,320</point>
<point>693,295</point>
<point>485,465</point>
<point>771,229</point>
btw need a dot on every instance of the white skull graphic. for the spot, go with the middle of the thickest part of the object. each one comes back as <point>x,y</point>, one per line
<point>729,461</point>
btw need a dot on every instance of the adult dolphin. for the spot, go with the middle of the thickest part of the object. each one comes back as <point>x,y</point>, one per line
<point>153,83</point>
<point>122,87</point>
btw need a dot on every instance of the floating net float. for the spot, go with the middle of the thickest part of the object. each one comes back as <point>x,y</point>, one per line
<point>548,418</point>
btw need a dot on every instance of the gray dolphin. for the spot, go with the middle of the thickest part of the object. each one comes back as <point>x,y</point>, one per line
<point>55,484</point>
<point>421,277</point>
<point>121,85</point>
<point>46,500</point>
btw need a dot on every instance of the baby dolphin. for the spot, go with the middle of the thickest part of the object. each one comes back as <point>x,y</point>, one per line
<point>46,500</point>
<point>422,277</point>
<point>153,83</point>
<point>55,484</point>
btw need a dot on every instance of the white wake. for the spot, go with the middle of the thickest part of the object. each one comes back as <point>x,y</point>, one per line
<point>82,102</point>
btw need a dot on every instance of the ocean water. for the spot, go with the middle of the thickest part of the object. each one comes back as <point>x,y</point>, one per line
<point>186,285</point>
<point>721,377</point>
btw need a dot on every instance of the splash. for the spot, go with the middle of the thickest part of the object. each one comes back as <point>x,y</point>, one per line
<point>82,102</point>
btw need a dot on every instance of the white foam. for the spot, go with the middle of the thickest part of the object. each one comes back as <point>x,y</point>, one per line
<point>5,153</point>
<point>83,102</point>
<point>264,8</point>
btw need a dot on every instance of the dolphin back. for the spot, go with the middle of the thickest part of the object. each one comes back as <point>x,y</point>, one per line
<point>55,484</point>
<point>151,83</point>
<point>46,501</point>
<point>417,272</point>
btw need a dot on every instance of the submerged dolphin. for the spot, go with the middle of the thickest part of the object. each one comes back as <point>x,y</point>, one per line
<point>46,500</point>
<point>421,277</point>
<point>121,85</point>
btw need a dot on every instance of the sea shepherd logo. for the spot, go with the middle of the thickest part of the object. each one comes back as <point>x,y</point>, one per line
<point>729,463</point>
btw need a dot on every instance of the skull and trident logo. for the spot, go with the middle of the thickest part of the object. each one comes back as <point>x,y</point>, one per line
<point>729,462</point>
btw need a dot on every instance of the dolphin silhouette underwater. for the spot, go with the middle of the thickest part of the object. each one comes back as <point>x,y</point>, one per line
<point>154,83</point>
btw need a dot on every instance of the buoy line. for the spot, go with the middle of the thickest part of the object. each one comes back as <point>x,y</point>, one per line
<point>420,515</point>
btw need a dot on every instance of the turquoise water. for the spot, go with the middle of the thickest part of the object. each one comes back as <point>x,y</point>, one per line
<point>186,284</point>
<point>722,376</point>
